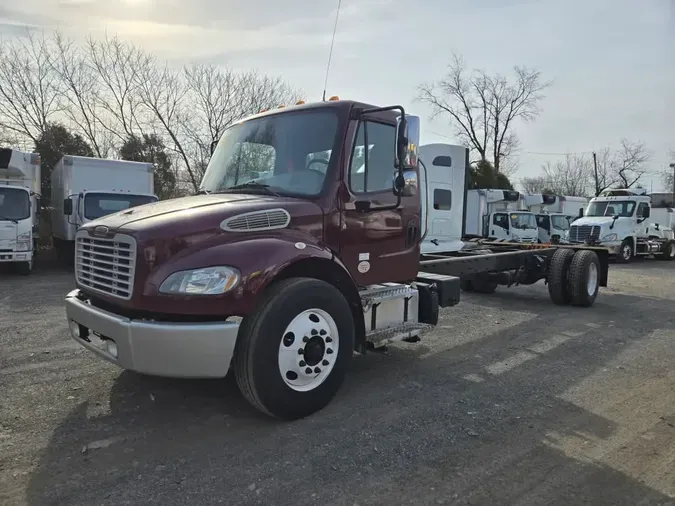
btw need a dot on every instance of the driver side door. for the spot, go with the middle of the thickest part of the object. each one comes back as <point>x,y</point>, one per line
<point>378,243</point>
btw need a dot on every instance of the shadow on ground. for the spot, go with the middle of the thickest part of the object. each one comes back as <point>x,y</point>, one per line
<point>403,430</point>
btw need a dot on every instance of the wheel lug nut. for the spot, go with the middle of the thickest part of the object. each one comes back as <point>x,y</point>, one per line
<point>317,370</point>
<point>305,339</point>
<point>308,370</point>
<point>302,363</point>
<point>301,351</point>
<point>322,332</point>
<point>324,363</point>
<point>329,351</point>
<point>314,332</point>
<point>329,340</point>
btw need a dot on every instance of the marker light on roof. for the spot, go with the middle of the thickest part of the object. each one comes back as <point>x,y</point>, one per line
<point>300,102</point>
<point>281,106</point>
<point>334,98</point>
<point>264,110</point>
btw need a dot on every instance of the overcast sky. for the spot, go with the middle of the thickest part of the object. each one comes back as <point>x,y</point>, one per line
<point>612,62</point>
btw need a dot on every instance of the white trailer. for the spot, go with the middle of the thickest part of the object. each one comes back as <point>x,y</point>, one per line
<point>19,208</point>
<point>85,189</point>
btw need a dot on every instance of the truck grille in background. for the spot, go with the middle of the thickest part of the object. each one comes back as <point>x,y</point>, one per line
<point>106,265</point>
<point>582,233</point>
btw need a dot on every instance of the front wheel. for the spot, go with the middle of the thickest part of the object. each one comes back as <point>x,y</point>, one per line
<point>626,252</point>
<point>292,352</point>
<point>25,268</point>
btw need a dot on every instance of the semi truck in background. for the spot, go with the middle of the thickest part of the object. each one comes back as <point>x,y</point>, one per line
<point>495,214</point>
<point>85,189</point>
<point>20,182</point>
<point>554,213</point>
<point>283,265</point>
<point>621,220</point>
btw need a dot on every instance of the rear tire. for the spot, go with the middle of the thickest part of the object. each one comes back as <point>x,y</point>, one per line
<point>481,285</point>
<point>584,278</point>
<point>316,311</point>
<point>668,252</point>
<point>557,276</point>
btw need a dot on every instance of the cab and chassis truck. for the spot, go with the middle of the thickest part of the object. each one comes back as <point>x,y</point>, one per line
<point>291,257</point>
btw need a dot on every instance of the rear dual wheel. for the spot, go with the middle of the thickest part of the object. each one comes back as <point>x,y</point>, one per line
<point>573,277</point>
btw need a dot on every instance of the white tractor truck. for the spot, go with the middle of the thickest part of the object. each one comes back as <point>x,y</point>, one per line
<point>619,220</point>
<point>86,189</point>
<point>19,208</point>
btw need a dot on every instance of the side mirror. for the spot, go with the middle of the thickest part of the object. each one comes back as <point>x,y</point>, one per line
<point>405,185</point>
<point>68,206</point>
<point>407,142</point>
<point>646,213</point>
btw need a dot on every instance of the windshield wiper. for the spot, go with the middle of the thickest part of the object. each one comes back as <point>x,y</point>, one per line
<point>252,185</point>
<point>5,218</point>
<point>202,191</point>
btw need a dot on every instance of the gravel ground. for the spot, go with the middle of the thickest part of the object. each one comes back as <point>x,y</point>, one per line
<point>511,400</point>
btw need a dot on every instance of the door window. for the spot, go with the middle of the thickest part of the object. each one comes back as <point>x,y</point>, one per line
<point>372,163</point>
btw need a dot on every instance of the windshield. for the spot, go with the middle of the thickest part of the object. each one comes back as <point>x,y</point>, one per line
<point>523,220</point>
<point>283,153</point>
<point>623,208</point>
<point>14,204</point>
<point>560,222</point>
<point>97,205</point>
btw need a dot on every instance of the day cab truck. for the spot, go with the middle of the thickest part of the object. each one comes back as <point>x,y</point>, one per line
<point>617,220</point>
<point>85,189</point>
<point>554,213</point>
<point>288,259</point>
<point>19,208</point>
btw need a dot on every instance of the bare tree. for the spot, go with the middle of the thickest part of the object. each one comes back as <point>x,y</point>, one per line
<point>30,93</point>
<point>485,108</point>
<point>119,67</point>
<point>537,184</point>
<point>81,94</point>
<point>668,173</point>
<point>571,176</point>
<point>630,162</point>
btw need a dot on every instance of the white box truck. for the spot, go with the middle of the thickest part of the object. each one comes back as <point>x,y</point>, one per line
<point>495,214</point>
<point>554,213</point>
<point>85,189</point>
<point>19,208</point>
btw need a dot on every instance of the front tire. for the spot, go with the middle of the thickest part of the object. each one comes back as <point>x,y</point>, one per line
<point>25,268</point>
<point>304,326</point>
<point>626,252</point>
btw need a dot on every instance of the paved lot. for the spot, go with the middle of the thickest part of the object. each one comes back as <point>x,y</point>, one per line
<point>510,401</point>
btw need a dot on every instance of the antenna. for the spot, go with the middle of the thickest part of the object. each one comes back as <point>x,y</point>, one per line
<point>330,53</point>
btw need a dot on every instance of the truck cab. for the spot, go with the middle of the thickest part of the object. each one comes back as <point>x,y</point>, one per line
<point>19,208</point>
<point>85,189</point>
<point>619,219</point>
<point>552,223</point>
<point>495,214</point>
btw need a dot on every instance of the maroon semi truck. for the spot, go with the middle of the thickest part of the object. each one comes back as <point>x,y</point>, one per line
<point>301,247</point>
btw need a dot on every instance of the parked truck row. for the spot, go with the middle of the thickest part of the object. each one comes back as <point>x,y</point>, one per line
<point>319,230</point>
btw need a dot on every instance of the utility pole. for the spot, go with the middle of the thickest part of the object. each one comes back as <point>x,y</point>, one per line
<point>595,170</point>
<point>672,166</point>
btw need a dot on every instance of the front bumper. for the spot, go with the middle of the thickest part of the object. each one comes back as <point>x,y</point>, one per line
<point>16,256</point>
<point>179,350</point>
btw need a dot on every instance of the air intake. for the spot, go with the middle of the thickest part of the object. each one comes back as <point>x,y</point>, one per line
<point>255,221</point>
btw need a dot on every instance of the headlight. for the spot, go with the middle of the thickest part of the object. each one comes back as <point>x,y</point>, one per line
<point>206,281</point>
<point>609,238</point>
<point>23,242</point>
<point>23,237</point>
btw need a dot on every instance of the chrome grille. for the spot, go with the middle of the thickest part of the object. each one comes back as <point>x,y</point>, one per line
<point>582,233</point>
<point>106,265</point>
<point>270,219</point>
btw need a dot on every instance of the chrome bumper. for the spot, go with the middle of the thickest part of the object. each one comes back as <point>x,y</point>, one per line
<point>180,350</point>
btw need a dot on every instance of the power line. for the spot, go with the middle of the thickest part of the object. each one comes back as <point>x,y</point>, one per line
<point>330,53</point>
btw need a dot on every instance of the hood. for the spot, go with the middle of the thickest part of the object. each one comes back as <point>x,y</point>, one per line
<point>602,221</point>
<point>193,219</point>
